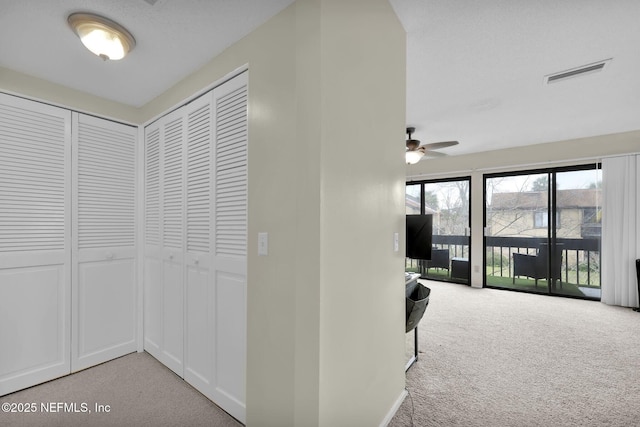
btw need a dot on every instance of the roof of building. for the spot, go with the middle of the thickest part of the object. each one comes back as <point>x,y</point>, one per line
<point>577,198</point>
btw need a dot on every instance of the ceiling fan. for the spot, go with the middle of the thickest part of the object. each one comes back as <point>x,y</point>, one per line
<point>416,152</point>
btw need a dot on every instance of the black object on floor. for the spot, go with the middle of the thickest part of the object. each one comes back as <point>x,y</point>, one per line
<point>638,274</point>
<point>417,299</point>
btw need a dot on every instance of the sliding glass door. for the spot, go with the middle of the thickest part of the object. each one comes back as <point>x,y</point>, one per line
<point>448,202</point>
<point>542,231</point>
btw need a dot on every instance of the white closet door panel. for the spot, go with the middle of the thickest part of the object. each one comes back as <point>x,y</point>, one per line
<point>230,245</point>
<point>34,323</point>
<point>172,131</point>
<point>198,332</point>
<point>102,333</point>
<point>199,296</point>
<point>104,245</point>
<point>153,305</point>
<point>35,250</point>
<point>230,346</point>
<point>173,317</point>
<point>152,238</point>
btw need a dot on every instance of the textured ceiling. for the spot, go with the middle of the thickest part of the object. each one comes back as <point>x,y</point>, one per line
<point>173,39</point>
<point>475,69</point>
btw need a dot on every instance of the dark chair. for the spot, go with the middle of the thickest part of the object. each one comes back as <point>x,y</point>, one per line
<point>439,259</point>
<point>535,266</point>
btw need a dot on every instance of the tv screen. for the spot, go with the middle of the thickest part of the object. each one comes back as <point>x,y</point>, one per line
<point>419,232</point>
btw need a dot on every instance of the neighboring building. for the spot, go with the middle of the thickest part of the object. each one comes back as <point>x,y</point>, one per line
<point>524,214</point>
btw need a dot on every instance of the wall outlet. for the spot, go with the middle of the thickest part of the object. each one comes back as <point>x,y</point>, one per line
<point>476,269</point>
<point>396,242</point>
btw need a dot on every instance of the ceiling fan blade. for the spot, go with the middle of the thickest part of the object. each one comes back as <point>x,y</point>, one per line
<point>438,145</point>
<point>431,154</point>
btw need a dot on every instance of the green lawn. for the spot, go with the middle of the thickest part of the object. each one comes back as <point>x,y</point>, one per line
<point>521,283</point>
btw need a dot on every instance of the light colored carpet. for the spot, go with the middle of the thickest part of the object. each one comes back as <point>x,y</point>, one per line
<point>500,358</point>
<point>139,390</point>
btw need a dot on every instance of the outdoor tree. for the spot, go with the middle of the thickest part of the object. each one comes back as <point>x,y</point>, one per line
<point>431,200</point>
<point>540,184</point>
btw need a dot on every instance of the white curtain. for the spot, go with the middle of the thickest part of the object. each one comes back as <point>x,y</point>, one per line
<point>620,230</point>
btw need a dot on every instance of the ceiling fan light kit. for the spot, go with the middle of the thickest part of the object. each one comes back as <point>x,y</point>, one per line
<point>102,36</point>
<point>416,152</point>
<point>413,157</point>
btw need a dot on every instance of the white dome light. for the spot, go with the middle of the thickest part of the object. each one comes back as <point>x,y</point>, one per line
<point>100,35</point>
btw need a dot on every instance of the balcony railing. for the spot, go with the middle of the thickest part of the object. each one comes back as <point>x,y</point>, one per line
<point>580,257</point>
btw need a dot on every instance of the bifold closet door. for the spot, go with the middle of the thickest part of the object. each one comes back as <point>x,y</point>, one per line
<point>199,295</point>
<point>177,241</point>
<point>35,247</point>
<point>164,240</point>
<point>104,245</point>
<point>196,243</point>
<point>229,269</point>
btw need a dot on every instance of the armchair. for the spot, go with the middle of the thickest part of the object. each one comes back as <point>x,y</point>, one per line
<point>536,266</point>
<point>439,259</point>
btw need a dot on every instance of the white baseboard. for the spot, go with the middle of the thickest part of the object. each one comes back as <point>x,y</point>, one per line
<point>392,412</point>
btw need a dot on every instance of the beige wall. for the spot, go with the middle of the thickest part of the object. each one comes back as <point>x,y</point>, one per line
<point>38,89</point>
<point>558,153</point>
<point>362,205</point>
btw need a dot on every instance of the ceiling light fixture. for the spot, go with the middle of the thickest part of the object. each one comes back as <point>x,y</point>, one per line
<point>102,36</point>
<point>413,157</point>
<point>414,152</point>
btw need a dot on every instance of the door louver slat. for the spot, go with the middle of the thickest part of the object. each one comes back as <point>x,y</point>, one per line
<point>231,174</point>
<point>152,185</point>
<point>106,193</point>
<point>198,179</point>
<point>32,180</point>
<point>172,190</point>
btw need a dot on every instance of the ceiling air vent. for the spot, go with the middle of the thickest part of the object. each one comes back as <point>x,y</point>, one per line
<point>575,72</point>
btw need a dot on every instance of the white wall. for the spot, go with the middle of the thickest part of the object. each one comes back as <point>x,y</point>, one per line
<point>552,154</point>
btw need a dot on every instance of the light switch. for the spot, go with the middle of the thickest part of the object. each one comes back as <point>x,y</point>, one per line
<point>263,244</point>
<point>396,242</point>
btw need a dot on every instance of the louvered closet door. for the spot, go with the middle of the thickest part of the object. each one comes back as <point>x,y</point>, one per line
<point>164,240</point>
<point>172,258</point>
<point>35,249</point>
<point>153,335</point>
<point>230,245</point>
<point>199,295</point>
<point>104,244</point>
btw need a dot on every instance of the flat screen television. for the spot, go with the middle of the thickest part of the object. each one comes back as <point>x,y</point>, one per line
<point>418,238</point>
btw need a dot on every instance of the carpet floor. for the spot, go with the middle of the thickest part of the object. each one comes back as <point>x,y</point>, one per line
<point>498,358</point>
<point>134,390</point>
